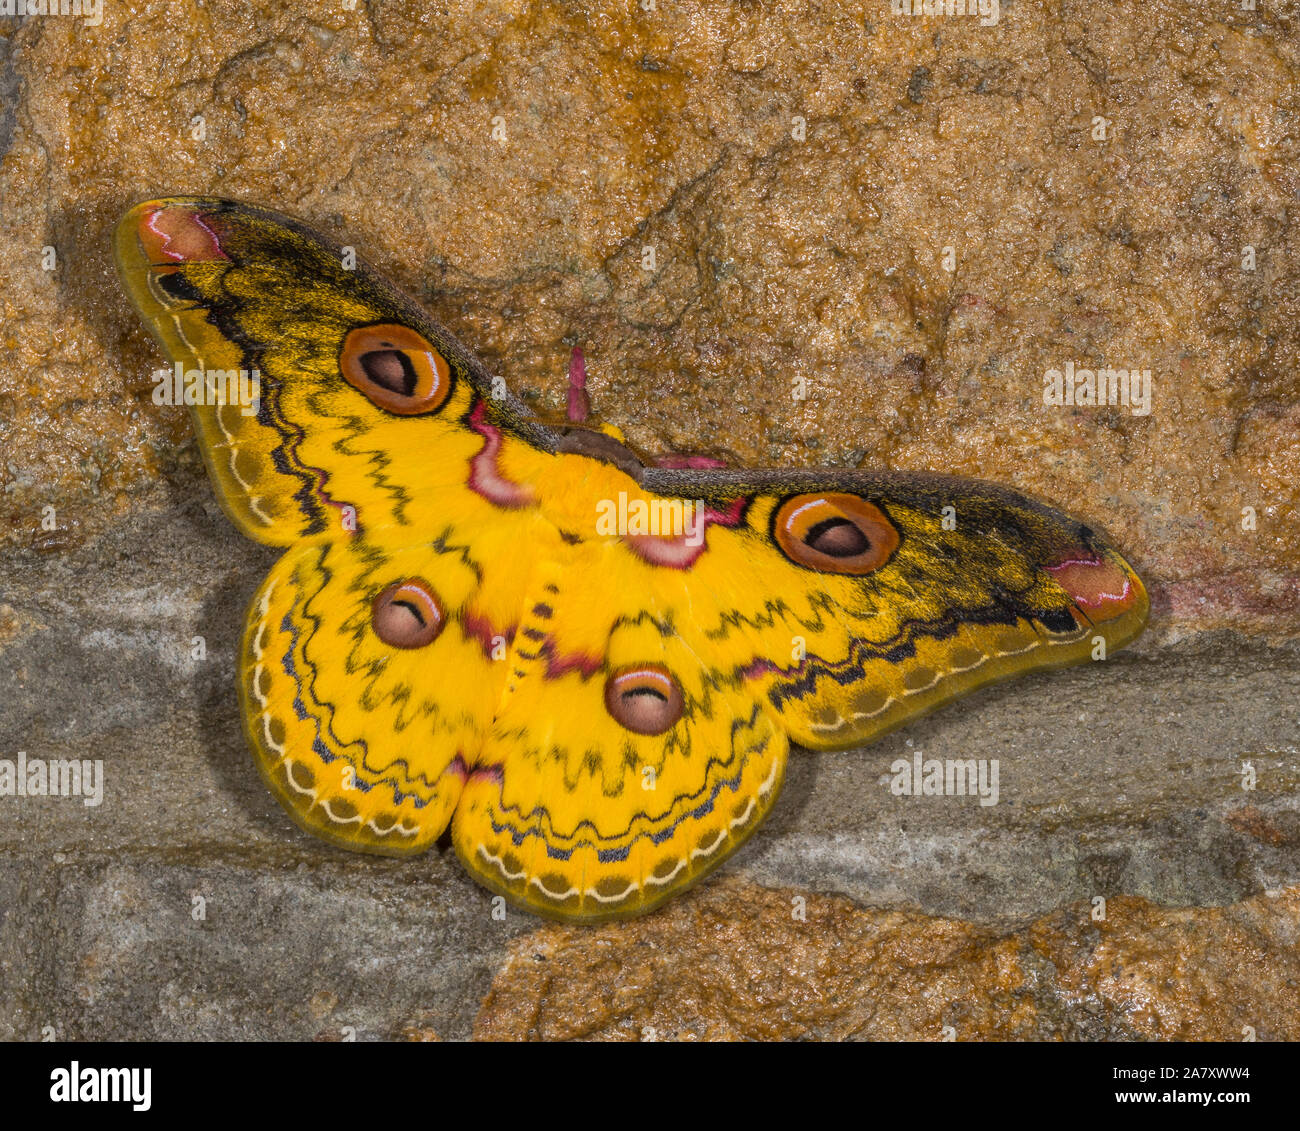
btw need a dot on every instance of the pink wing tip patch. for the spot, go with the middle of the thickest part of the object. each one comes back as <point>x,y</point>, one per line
<point>178,233</point>
<point>1102,587</point>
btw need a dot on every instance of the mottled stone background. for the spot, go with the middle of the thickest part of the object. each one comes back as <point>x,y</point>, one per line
<point>781,253</point>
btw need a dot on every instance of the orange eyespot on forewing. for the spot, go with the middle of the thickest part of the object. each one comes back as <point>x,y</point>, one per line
<point>645,699</point>
<point>835,533</point>
<point>395,368</point>
<point>407,614</point>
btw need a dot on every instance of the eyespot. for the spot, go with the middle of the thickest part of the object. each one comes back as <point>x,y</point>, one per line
<point>395,368</point>
<point>407,614</point>
<point>835,533</point>
<point>644,699</point>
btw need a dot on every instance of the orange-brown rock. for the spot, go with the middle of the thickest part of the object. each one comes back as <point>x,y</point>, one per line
<point>1114,188</point>
<point>734,961</point>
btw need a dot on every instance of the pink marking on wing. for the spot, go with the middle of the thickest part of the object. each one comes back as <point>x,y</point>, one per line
<point>479,628</point>
<point>676,551</point>
<point>579,406</point>
<point>763,666</point>
<point>1099,585</point>
<point>557,666</point>
<point>494,773</point>
<point>457,768</point>
<point>179,234</point>
<point>484,471</point>
<point>730,517</point>
<point>672,551</point>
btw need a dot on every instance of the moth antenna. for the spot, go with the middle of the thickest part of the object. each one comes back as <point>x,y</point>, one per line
<point>579,403</point>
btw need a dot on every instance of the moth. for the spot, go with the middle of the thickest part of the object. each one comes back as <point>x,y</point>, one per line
<point>476,624</point>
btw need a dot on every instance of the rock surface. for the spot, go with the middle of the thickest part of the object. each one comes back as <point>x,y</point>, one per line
<point>799,173</point>
<point>1123,780</point>
<point>736,962</point>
